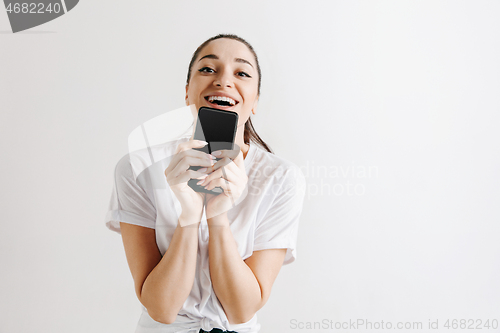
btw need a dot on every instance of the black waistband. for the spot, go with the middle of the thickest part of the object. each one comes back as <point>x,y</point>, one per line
<point>216,330</point>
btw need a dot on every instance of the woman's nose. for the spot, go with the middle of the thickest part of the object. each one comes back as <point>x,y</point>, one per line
<point>223,80</point>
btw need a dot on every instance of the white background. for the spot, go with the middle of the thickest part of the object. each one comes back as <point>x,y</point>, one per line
<point>409,89</point>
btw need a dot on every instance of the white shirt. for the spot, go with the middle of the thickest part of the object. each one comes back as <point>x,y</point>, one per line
<point>265,217</point>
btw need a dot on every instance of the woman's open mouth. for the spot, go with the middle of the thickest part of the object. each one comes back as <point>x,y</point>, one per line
<point>221,101</point>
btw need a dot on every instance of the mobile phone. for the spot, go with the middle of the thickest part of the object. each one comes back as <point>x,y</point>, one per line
<point>218,128</point>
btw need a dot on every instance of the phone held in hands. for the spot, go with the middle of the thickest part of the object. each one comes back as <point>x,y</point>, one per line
<point>218,128</point>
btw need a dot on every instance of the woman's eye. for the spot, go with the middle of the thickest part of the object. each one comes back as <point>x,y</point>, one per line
<point>206,70</point>
<point>243,74</point>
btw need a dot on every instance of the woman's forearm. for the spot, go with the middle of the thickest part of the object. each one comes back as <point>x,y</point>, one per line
<point>233,281</point>
<point>168,285</point>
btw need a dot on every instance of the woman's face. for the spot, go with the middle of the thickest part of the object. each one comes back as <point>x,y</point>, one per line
<point>225,77</point>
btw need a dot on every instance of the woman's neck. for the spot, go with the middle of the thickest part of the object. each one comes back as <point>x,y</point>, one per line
<point>240,142</point>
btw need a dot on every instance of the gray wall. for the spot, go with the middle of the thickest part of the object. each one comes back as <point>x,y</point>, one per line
<point>390,107</point>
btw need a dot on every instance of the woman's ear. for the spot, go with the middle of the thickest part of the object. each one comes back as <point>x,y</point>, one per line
<point>254,108</point>
<point>187,98</point>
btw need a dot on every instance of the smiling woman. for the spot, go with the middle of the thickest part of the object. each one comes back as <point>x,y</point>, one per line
<point>200,262</point>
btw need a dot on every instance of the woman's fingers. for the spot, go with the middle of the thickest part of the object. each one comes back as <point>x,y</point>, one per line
<point>184,177</point>
<point>231,154</point>
<point>178,170</point>
<point>186,157</point>
<point>190,145</point>
<point>186,149</point>
<point>187,161</point>
<point>229,172</point>
<point>182,173</point>
<point>230,178</point>
<point>224,161</point>
<point>184,165</point>
<point>226,156</point>
<point>222,183</point>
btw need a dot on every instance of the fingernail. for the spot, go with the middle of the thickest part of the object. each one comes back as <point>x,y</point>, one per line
<point>202,169</point>
<point>212,157</point>
<point>216,153</point>
<point>201,142</point>
<point>201,181</point>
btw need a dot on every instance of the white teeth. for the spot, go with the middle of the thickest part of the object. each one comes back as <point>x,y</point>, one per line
<point>223,99</point>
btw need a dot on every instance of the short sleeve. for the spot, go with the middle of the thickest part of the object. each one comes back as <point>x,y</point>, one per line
<point>278,228</point>
<point>129,202</point>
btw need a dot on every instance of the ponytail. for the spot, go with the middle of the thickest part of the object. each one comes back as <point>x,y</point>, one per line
<point>251,135</point>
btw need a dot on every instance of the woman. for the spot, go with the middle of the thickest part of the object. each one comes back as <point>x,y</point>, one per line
<point>200,262</point>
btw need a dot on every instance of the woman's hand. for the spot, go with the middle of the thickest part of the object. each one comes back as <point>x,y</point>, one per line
<point>178,174</point>
<point>229,174</point>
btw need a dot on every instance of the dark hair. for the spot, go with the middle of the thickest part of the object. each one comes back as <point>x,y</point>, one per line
<point>249,134</point>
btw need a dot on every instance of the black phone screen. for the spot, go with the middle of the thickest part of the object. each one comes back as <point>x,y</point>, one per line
<point>218,128</point>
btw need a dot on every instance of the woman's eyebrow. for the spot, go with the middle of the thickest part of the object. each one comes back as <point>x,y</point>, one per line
<point>209,56</point>
<point>213,56</point>
<point>243,61</point>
